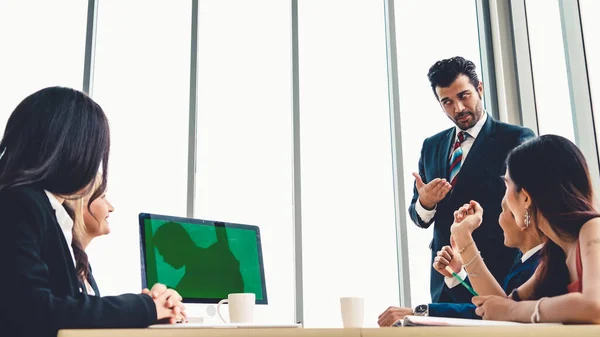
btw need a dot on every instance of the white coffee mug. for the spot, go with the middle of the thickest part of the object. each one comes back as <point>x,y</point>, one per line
<point>352,311</point>
<point>241,308</point>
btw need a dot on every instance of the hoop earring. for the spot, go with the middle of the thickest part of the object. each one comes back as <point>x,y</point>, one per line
<point>527,218</point>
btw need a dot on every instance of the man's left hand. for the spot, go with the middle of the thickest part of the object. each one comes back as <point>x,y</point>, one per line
<point>392,314</point>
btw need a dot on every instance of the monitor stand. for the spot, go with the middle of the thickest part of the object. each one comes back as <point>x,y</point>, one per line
<point>201,313</point>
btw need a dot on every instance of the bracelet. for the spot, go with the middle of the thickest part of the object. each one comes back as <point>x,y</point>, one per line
<point>535,317</point>
<point>472,273</point>
<point>462,250</point>
<point>472,260</point>
<point>515,295</point>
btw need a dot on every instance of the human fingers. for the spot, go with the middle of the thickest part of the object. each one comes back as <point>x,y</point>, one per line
<point>442,261</point>
<point>476,207</point>
<point>446,255</point>
<point>174,299</point>
<point>449,250</point>
<point>169,297</point>
<point>436,185</point>
<point>384,318</point>
<point>430,186</point>
<point>418,181</point>
<point>447,187</point>
<point>158,289</point>
<point>384,312</point>
<point>479,300</point>
<point>479,311</point>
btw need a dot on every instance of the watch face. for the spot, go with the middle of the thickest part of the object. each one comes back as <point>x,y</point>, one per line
<point>421,310</point>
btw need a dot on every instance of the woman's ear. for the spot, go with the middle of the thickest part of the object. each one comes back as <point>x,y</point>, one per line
<point>525,198</point>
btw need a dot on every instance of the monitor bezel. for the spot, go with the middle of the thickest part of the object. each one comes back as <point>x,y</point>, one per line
<point>201,222</point>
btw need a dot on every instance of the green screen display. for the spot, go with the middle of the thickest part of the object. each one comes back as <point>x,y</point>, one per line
<point>202,260</point>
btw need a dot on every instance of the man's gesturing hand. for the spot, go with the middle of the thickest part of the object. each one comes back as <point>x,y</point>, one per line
<point>433,192</point>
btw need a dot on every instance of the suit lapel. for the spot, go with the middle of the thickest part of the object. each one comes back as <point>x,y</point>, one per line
<point>444,153</point>
<point>93,283</point>
<point>482,147</point>
<point>514,276</point>
<point>520,271</point>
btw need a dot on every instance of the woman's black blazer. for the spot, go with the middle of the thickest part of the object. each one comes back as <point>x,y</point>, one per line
<point>38,280</point>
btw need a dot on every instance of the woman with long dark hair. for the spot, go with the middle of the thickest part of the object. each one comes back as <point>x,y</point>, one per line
<point>548,185</point>
<point>54,143</point>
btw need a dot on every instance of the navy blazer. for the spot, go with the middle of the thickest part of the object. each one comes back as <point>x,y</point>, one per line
<point>463,308</point>
<point>41,289</point>
<point>479,179</point>
<point>92,281</point>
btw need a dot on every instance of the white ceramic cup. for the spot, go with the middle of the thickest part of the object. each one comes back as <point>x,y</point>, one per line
<point>353,309</point>
<point>241,308</point>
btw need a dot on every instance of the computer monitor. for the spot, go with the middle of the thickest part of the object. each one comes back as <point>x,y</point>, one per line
<point>203,260</point>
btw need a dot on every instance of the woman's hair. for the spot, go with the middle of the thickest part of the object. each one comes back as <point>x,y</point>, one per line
<point>55,139</point>
<point>82,264</point>
<point>75,208</point>
<point>555,174</point>
<point>78,205</point>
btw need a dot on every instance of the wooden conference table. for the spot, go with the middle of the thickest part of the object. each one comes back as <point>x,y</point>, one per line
<point>511,331</point>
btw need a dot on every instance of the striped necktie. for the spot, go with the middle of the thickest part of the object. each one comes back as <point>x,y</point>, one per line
<point>456,157</point>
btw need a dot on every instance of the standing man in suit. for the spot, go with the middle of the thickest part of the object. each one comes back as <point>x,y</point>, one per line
<point>461,164</point>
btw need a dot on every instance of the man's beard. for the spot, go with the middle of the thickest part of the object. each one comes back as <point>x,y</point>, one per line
<point>474,118</point>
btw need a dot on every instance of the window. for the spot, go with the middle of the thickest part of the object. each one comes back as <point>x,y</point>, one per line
<point>43,45</point>
<point>590,24</point>
<point>347,183</point>
<point>142,82</point>
<point>421,114</point>
<point>244,141</point>
<point>549,68</point>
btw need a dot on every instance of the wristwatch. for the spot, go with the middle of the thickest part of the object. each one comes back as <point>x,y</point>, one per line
<point>421,310</point>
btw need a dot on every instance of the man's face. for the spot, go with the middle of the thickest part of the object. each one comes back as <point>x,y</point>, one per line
<point>461,102</point>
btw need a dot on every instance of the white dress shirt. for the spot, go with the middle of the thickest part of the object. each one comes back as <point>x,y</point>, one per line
<point>530,252</point>
<point>89,289</point>
<point>452,282</point>
<point>427,215</point>
<point>64,220</point>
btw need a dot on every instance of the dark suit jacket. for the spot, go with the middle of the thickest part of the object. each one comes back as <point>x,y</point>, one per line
<point>479,179</point>
<point>41,290</point>
<point>92,283</point>
<point>463,308</point>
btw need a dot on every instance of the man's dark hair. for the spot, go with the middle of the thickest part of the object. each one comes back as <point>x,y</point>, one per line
<point>56,139</point>
<point>444,72</point>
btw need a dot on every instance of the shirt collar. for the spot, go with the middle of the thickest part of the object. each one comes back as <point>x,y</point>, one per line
<point>62,217</point>
<point>530,252</point>
<point>474,131</point>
